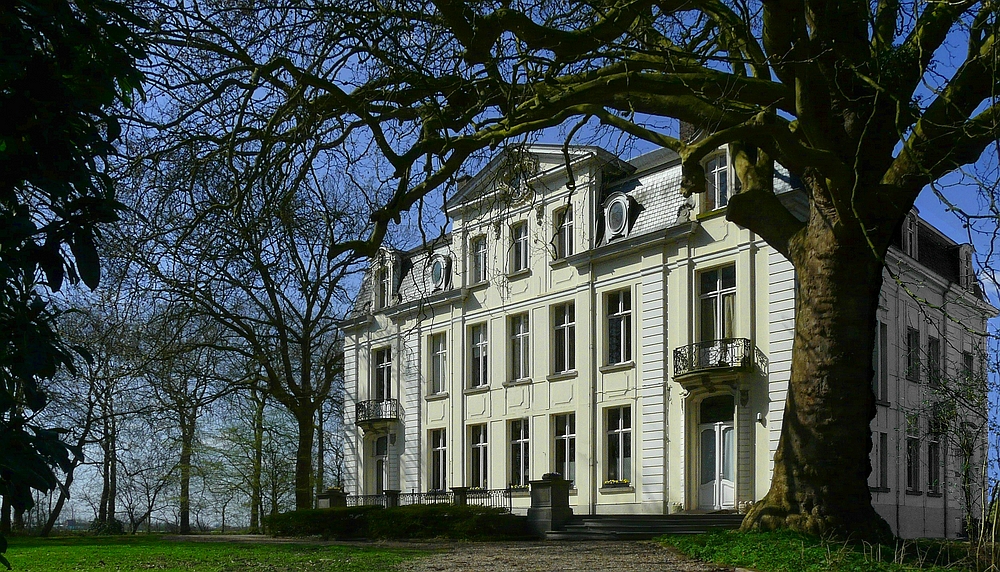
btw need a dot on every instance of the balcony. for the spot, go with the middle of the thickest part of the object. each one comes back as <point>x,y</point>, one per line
<point>375,411</point>
<point>727,355</point>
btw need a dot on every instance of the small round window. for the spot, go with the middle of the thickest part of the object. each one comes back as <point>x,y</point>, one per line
<point>439,271</point>
<point>617,216</point>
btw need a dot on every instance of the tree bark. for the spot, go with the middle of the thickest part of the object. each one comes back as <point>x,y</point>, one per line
<point>187,444</point>
<point>256,490</point>
<point>303,458</point>
<point>820,481</point>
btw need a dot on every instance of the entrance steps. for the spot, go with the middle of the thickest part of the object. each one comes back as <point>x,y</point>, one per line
<point>643,526</point>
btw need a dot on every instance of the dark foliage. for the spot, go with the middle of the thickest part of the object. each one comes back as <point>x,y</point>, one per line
<point>63,66</point>
<point>415,521</point>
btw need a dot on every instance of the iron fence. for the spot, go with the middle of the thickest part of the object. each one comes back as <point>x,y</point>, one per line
<point>368,500</point>
<point>377,410</point>
<point>493,498</point>
<point>729,353</point>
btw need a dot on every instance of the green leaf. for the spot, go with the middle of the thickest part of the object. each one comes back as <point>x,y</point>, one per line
<point>88,264</point>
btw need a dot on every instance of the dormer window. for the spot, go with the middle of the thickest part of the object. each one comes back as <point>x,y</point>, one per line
<point>966,275</point>
<point>616,216</point>
<point>384,287</point>
<point>719,183</point>
<point>440,271</point>
<point>910,234</point>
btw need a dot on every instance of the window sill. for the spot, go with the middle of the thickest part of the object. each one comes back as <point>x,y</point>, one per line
<point>914,493</point>
<point>559,262</point>
<point>518,274</point>
<point>611,368</point>
<point>882,403</point>
<point>617,490</point>
<point>562,375</point>
<point>934,495</point>
<point>710,214</point>
<point>476,390</point>
<point>436,396</point>
<point>879,489</point>
<point>478,285</point>
<point>516,382</point>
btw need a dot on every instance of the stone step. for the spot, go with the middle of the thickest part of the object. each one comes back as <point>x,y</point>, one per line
<point>636,527</point>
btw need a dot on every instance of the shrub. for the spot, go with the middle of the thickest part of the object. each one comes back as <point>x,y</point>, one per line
<point>339,522</point>
<point>416,521</point>
<point>110,526</point>
<point>446,521</point>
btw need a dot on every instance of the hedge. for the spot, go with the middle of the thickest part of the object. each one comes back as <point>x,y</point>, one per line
<point>414,521</point>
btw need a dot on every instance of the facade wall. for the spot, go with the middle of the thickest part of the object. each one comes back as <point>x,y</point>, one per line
<point>662,270</point>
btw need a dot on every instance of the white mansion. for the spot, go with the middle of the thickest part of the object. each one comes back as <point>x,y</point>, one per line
<point>587,319</point>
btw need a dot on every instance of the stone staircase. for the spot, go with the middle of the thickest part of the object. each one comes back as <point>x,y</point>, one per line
<point>643,526</point>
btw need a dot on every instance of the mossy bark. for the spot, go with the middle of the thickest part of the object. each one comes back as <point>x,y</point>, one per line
<point>820,480</point>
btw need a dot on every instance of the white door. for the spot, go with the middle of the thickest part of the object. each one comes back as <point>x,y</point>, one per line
<point>716,489</point>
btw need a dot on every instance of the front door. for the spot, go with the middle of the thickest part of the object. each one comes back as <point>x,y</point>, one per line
<point>717,466</point>
<point>380,457</point>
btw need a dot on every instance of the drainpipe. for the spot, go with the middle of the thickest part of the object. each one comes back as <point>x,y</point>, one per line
<point>595,430</point>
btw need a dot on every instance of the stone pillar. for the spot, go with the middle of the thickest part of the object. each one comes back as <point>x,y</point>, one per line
<point>549,504</point>
<point>391,498</point>
<point>334,496</point>
<point>461,495</point>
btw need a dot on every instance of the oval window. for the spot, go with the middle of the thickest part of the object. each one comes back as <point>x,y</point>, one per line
<point>617,216</point>
<point>439,272</point>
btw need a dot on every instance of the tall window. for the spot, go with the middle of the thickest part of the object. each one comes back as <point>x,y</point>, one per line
<point>519,247</point>
<point>620,443</point>
<point>718,303</point>
<point>384,287</point>
<point>479,367</point>
<point>383,374</point>
<point>968,367</point>
<point>879,478</point>
<point>565,334</point>
<point>912,454</point>
<point>477,262</point>
<point>439,460</point>
<point>619,326</point>
<point>913,354</point>
<point>439,362</point>
<point>519,347</point>
<point>717,188</point>
<point>880,363</point>
<point>934,464</point>
<point>566,446</point>
<point>478,457</point>
<point>564,232</point>
<point>933,361</point>
<point>519,454</point>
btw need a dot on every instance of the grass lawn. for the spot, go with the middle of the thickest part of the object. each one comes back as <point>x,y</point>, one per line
<point>782,551</point>
<point>154,553</point>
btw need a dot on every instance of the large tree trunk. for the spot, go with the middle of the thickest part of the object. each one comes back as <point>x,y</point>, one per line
<point>821,467</point>
<point>187,444</point>
<point>256,489</point>
<point>303,458</point>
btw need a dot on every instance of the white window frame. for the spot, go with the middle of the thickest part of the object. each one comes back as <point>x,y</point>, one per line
<point>439,460</point>
<point>520,348</point>
<point>478,456</point>
<point>934,464</point>
<point>382,378</point>
<point>724,323</point>
<point>910,238</point>
<point>477,258</point>
<point>519,247</point>
<point>438,362</point>
<point>564,347</point>
<point>479,355</point>
<point>564,232</point>
<point>619,319</point>
<point>565,445</point>
<point>383,286</point>
<point>719,183</point>
<point>520,452</point>
<point>912,454</point>
<point>933,361</point>
<point>619,439</point>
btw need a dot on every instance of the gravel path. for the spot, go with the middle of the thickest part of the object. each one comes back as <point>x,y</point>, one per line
<point>558,557</point>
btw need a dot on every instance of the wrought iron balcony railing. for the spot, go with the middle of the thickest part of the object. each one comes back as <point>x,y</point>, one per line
<point>380,410</point>
<point>729,353</point>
